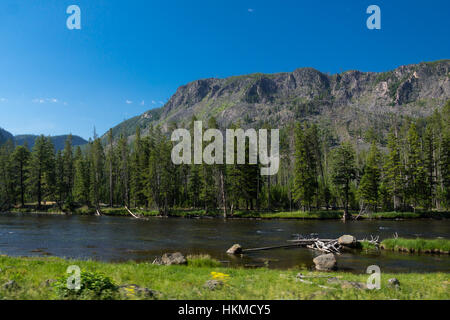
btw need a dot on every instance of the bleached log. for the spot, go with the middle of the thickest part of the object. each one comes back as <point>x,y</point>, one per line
<point>129,211</point>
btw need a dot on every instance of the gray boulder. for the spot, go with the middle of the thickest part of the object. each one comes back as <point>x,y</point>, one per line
<point>213,284</point>
<point>394,283</point>
<point>347,241</point>
<point>325,262</point>
<point>11,285</point>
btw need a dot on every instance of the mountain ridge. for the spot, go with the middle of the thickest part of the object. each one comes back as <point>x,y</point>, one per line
<point>58,141</point>
<point>350,101</point>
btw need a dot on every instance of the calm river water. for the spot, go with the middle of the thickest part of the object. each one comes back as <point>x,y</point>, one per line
<point>120,239</point>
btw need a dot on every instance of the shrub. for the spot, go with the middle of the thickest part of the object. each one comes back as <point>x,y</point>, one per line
<point>94,286</point>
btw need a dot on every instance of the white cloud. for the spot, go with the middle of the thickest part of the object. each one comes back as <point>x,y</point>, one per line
<point>44,100</point>
<point>128,101</point>
<point>3,99</point>
<point>153,102</point>
<point>142,102</point>
<point>250,10</point>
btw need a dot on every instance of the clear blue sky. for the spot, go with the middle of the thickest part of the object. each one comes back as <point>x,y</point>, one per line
<point>130,56</point>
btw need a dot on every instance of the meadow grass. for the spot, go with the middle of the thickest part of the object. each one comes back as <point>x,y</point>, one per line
<point>187,282</point>
<point>418,245</point>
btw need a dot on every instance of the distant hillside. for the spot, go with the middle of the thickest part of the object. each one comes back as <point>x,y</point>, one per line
<point>5,136</point>
<point>348,103</point>
<point>58,141</point>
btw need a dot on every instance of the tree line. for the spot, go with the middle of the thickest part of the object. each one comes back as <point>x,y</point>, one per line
<point>316,173</point>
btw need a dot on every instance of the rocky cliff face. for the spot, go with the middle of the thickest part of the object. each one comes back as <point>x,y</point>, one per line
<point>349,102</point>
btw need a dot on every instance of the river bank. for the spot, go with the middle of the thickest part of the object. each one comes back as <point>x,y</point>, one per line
<point>34,278</point>
<point>240,214</point>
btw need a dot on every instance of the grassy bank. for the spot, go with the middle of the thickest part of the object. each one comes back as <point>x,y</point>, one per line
<point>34,276</point>
<point>418,245</point>
<point>241,214</point>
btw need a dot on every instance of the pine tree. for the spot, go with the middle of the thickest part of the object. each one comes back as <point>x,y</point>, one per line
<point>394,171</point>
<point>97,177</point>
<point>69,171</point>
<point>110,161</point>
<point>195,185</point>
<point>305,174</point>
<point>429,167</point>
<point>41,167</point>
<point>343,172</point>
<point>20,160</point>
<point>123,154</point>
<point>81,178</point>
<point>415,168</point>
<point>445,156</point>
<point>370,181</point>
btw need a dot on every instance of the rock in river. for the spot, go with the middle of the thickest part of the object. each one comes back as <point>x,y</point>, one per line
<point>235,249</point>
<point>347,240</point>
<point>325,262</point>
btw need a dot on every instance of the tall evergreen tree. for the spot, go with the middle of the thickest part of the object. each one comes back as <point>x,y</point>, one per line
<point>370,181</point>
<point>343,172</point>
<point>20,160</point>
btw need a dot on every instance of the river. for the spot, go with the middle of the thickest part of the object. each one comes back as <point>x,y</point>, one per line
<point>118,239</point>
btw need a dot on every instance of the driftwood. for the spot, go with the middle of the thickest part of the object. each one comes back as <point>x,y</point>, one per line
<point>327,247</point>
<point>273,247</point>
<point>324,245</point>
<point>134,215</point>
<point>97,213</point>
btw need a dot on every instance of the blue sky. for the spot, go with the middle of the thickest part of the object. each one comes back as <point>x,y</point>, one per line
<point>130,56</point>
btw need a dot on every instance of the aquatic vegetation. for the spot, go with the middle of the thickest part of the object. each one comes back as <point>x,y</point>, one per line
<point>418,245</point>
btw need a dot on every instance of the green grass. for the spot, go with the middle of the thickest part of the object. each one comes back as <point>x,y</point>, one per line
<point>244,214</point>
<point>187,282</point>
<point>290,215</point>
<point>418,245</point>
<point>366,245</point>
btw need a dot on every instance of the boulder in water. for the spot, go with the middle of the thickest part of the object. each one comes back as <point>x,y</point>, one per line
<point>325,262</point>
<point>235,249</point>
